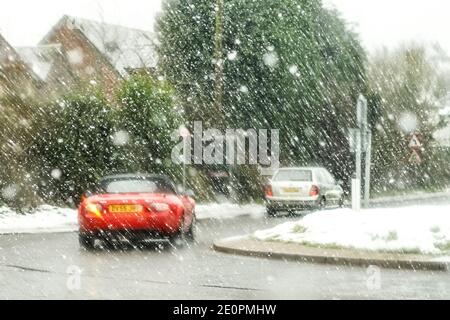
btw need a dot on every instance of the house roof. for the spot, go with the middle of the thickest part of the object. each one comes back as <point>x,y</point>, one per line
<point>40,59</point>
<point>445,105</point>
<point>442,136</point>
<point>445,111</point>
<point>10,57</point>
<point>125,48</point>
<point>7,53</point>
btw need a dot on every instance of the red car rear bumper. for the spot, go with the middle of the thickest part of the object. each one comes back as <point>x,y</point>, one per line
<point>162,223</point>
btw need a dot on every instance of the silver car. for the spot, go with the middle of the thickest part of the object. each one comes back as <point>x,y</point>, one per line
<point>292,189</point>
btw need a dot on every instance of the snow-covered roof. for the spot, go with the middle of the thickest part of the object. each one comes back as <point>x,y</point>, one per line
<point>7,53</point>
<point>10,57</point>
<point>445,111</point>
<point>442,136</point>
<point>40,59</point>
<point>125,48</point>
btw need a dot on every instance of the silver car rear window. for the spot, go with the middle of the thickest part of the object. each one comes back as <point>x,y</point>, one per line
<point>293,175</point>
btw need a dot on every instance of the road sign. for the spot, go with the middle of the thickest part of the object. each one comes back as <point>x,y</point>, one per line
<point>416,149</point>
<point>415,157</point>
<point>414,142</point>
<point>184,133</point>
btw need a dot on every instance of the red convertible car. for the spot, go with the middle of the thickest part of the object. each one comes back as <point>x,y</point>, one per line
<point>135,207</point>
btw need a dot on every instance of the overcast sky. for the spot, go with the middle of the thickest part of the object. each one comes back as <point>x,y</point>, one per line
<point>379,22</point>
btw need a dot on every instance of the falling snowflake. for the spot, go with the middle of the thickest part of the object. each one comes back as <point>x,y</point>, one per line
<point>10,192</point>
<point>121,138</point>
<point>270,59</point>
<point>56,173</point>
<point>75,56</point>
<point>408,122</point>
<point>243,89</point>
<point>293,69</point>
<point>89,70</point>
<point>232,55</point>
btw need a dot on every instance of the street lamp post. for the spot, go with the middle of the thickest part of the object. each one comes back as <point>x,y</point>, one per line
<point>219,61</point>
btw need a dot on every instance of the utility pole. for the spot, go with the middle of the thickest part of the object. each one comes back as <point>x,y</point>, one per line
<point>218,68</point>
<point>218,114</point>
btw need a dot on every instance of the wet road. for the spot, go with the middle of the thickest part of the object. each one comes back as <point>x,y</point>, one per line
<point>46,266</point>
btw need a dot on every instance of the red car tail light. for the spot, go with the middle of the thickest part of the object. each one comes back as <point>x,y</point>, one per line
<point>314,191</point>
<point>93,210</point>
<point>268,191</point>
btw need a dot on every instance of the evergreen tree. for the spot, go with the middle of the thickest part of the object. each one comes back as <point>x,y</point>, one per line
<point>290,65</point>
<point>85,138</point>
<point>147,117</point>
<point>75,148</point>
<point>407,89</point>
<point>20,118</point>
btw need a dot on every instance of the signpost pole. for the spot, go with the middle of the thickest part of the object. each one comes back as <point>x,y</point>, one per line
<point>356,190</point>
<point>361,113</point>
<point>185,134</point>
<point>360,139</point>
<point>362,144</point>
<point>367,170</point>
<point>184,175</point>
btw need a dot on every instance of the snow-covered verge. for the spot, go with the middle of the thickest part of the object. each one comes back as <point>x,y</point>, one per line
<point>411,195</point>
<point>48,218</point>
<point>413,229</point>
<point>45,218</point>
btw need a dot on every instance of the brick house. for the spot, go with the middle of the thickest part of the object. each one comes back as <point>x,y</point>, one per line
<point>97,53</point>
<point>50,65</point>
<point>17,80</point>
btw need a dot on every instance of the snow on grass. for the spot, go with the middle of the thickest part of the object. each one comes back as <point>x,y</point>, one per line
<point>45,218</point>
<point>48,218</point>
<point>414,229</point>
